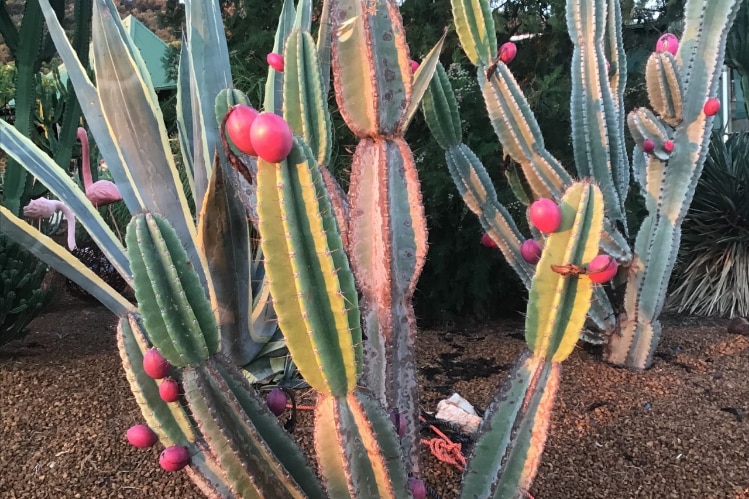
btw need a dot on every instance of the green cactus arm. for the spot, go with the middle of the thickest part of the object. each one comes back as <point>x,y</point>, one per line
<point>387,249</point>
<point>273,101</point>
<point>643,124</point>
<point>357,449</point>
<point>303,20</point>
<point>596,137</point>
<point>664,85</point>
<point>224,240</point>
<point>513,432</point>
<point>185,128</point>
<point>305,106</point>
<point>211,72</point>
<point>474,184</point>
<point>62,260</point>
<point>370,57</point>
<point>557,304</point>
<point>170,422</point>
<point>339,203</point>
<point>27,64</point>
<point>176,312</point>
<point>737,49</point>
<point>475,26</point>
<point>440,109</point>
<point>254,453</point>
<point>22,150</point>
<point>310,281</point>
<point>422,79</point>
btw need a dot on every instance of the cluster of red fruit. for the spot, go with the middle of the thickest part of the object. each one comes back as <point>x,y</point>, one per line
<point>265,135</point>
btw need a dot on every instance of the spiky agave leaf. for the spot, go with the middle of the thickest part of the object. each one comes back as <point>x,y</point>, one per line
<point>712,277</point>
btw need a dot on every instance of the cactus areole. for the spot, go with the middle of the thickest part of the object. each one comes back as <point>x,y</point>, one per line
<point>602,269</point>
<point>271,137</point>
<point>238,125</point>
<point>545,215</point>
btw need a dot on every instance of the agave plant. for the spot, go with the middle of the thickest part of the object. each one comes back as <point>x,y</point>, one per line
<point>712,276</point>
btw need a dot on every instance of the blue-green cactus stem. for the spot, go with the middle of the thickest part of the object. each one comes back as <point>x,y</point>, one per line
<point>357,448</point>
<point>387,249</point>
<point>663,78</point>
<point>701,52</point>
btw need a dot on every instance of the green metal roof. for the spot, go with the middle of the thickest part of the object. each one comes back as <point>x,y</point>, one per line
<point>152,49</point>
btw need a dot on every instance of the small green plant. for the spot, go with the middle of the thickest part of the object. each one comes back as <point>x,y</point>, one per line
<point>712,273</point>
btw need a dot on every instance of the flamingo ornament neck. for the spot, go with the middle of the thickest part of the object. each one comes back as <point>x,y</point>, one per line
<point>88,179</point>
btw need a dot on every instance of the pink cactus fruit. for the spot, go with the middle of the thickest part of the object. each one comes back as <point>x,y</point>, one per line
<point>155,365</point>
<point>487,241</point>
<point>141,436</point>
<point>271,137</point>
<point>546,215</point>
<point>712,106</point>
<point>275,61</point>
<point>276,400</point>
<point>602,269</point>
<point>667,43</point>
<point>668,146</point>
<point>648,146</point>
<point>169,390</point>
<point>418,488</point>
<point>174,458</point>
<point>531,251</point>
<point>507,52</point>
<point>414,66</point>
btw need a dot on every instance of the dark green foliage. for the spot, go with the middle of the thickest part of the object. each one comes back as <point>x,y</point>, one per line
<point>21,298</point>
<point>712,273</point>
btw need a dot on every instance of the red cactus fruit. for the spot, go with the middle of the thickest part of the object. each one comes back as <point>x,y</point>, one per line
<point>275,61</point>
<point>486,240</point>
<point>531,251</point>
<point>414,66</point>
<point>648,146</point>
<point>271,137</point>
<point>602,268</point>
<point>545,215</point>
<point>155,365</point>
<point>276,400</point>
<point>712,106</point>
<point>174,458</point>
<point>169,390</point>
<point>238,125</point>
<point>507,52</point>
<point>399,422</point>
<point>418,488</point>
<point>667,43</point>
<point>141,436</point>
<point>668,146</point>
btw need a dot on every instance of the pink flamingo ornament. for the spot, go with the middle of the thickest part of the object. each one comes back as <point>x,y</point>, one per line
<point>101,192</point>
<point>46,208</point>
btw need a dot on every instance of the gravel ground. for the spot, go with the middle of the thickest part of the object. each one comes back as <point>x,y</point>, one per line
<point>679,429</point>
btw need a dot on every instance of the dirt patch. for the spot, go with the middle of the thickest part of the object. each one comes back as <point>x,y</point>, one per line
<point>679,429</point>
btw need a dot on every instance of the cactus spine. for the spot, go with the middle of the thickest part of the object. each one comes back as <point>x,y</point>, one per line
<point>677,141</point>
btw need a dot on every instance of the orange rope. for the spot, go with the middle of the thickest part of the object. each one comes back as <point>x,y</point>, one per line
<point>445,449</point>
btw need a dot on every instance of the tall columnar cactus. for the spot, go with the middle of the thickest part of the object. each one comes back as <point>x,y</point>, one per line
<point>675,142</point>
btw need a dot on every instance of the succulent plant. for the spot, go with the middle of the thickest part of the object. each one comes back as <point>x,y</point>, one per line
<point>202,288</point>
<point>671,144</point>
